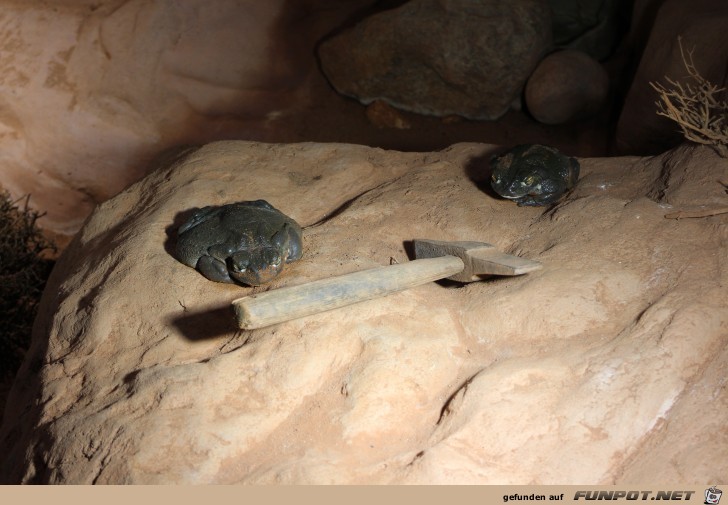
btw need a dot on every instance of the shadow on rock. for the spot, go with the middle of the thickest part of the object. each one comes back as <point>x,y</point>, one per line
<point>478,169</point>
<point>205,324</point>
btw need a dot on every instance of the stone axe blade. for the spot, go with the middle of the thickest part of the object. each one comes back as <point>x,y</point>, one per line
<point>459,261</point>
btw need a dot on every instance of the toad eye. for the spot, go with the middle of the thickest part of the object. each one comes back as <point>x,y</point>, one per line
<point>530,180</point>
<point>272,257</point>
<point>239,262</point>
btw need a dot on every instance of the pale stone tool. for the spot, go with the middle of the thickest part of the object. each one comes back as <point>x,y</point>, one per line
<point>458,261</point>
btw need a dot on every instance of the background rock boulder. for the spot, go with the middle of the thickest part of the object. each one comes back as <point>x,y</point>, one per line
<point>591,26</point>
<point>441,57</point>
<point>607,366</point>
<point>566,86</point>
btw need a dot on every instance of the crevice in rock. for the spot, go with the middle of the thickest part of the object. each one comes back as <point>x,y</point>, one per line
<point>348,203</point>
<point>661,184</point>
<point>459,393</point>
<point>417,457</point>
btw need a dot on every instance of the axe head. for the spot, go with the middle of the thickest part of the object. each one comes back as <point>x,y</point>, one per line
<point>480,259</point>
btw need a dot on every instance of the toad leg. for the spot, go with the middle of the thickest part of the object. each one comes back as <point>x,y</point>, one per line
<point>214,264</point>
<point>213,269</point>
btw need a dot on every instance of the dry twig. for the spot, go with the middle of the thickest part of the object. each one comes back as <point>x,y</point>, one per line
<point>688,213</point>
<point>696,108</point>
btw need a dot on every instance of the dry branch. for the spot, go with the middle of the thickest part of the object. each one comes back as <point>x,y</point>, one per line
<point>702,212</point>
<point>696,108</point>
<point>23,274</point>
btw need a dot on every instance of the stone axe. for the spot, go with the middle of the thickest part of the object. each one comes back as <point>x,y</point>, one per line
<point>458,261</point>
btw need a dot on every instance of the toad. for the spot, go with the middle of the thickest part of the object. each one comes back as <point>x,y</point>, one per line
<point>533,174</point>
<point>245,242</point>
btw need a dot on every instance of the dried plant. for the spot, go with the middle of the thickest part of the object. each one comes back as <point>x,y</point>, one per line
<point>23,274</point>
<point>695,107</point>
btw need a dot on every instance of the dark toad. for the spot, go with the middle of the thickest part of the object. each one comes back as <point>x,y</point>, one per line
<point>247,242</point>
<point>533,174</point>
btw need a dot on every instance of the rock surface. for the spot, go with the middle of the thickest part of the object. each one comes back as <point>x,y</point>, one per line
<point>441,57</point>
<point>607,366</point>
<point>701,25</point>
<point>89,95</point>
<point>566,86</point>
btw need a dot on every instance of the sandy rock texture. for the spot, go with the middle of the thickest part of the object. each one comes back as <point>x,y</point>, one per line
<point>606,366</point>
<point>91,92</point>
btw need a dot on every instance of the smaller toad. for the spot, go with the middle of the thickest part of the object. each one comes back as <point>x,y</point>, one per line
<point>533,174</point>
<point>247,242</point>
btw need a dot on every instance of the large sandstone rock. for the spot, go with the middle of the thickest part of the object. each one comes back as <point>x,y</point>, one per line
<point>441,57</point>
<point>90,91</point>
<point>607,366</point>
<point>701,25</point>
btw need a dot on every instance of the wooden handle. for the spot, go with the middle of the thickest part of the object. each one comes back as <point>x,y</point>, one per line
<point>279,305</point>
